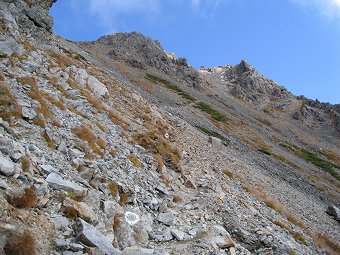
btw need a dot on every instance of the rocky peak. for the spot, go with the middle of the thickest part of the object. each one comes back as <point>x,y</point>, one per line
<point>142,52</point>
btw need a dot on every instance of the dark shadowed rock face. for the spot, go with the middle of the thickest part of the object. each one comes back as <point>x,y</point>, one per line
<point>143,52</point>
<point>29,15</point>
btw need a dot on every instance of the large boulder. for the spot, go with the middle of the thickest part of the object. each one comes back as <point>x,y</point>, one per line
<point>90,236</point>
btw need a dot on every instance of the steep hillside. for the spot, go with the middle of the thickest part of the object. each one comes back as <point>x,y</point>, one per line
<point>117,147</point>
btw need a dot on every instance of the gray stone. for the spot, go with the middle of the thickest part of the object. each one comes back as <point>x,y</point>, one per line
<point>166,218</point>
<point>90,236</point>
<point>179,235</point>
<point>334,211</point>
<point>8,46</point>
<point>62,148</point>
<point>76,247</point>
<point>57,182</point>
<point>60,222</point>
<point>3,184</point>
<point>138,251</point>
<point>48,169</point>
<point>62,244</point>
<point>215,142</point>
<point>7,167</point>
<point>28,113</point>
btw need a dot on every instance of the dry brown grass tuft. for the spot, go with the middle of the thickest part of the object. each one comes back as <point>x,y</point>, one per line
<point>86,134</point>
<point>262,196</point>
<point>9,106</point>
<point>56,123</point>
<point>133,158</point>
<point>113,187</point>
<point>26,200</point>
<point>62,61</point>
<point>55,102</point>
<point>229,173</point>
<point>21,244</point>
<point>38,95</point>
<point>118,120</point>
<point>71,213</point>
<point>153,142</point>
<point>178,199</point>
<point>48,140</point>
<point>94,101</point>
<point>160,162</point>
<point>25,164</point>
<point>39,122</point>
<point>331,247</point>
<point>53,80</point>
<point>100,126</point>
<point>124,198</point>
<point>119,217</point>
<point>113,153</point>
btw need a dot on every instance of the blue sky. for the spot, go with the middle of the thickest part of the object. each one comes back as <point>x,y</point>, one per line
<point>294,42</point>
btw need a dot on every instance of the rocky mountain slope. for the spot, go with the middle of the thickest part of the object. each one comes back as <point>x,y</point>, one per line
<point>117,147</point>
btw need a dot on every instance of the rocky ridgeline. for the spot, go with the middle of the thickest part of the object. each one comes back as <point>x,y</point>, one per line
<point>144,53</point>
<point>247,84</point>
<point>88,166</point>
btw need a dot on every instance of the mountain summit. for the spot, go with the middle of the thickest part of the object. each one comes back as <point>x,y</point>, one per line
<point>119,147</point>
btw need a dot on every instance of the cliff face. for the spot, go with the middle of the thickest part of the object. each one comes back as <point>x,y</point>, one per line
<point>27,15</point>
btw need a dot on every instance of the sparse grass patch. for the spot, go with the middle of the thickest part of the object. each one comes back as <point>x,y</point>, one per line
<point>113,187</point>
<point>133,158</point>
<point>177,199</point>
<point>118,218</point>
<point>55,101</point>
<point>211,111</point>
<point>118,120</point>
<point>313,158</point>
<point>25,164</point>
<point>26,200</point>
<point>160,162</point>
<point>9,106</point>
<point>264,122</point>
<point>86,134</point>
<point>94,101</point>
<point>319,162</point>
<point>49,141</point>
<point>62,61</point>
<point>124,198</point>
<point>21,244</point>
<point>153,142</point>
<point>297,236</point>
<point>229,173</point>
<point>206,131</point>
<point>170,85</point>
<point>265,151</point>
<point>39,122</point>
